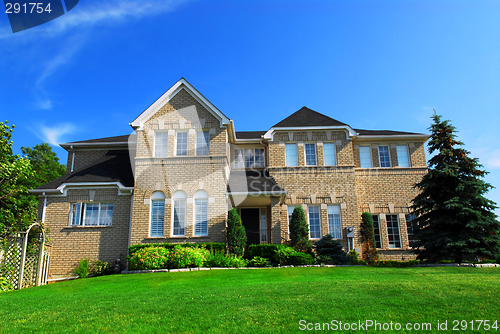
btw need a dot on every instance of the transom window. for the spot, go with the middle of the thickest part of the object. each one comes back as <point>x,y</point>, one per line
<point>314,222</point>
<point>403,157</point>
<point>334,225</point>
<point>376,231</point>
<point>310,149</point>
<point>365,156</point>
<point>161,143</point>
<point>330,154</point>
<point>91,214</point>
<point>157,214</point>
<point>291,154</point>
<point>202,143</point>
<point>179,228</point>
<point>385,158</point>
<point>182,143</point>
<point>393,231</point>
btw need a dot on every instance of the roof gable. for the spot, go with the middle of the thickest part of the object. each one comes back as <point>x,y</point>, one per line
<point>305,117</point>
<point>180,85</point>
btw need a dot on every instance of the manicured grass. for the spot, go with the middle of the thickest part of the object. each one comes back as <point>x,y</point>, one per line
<point>254,301</point>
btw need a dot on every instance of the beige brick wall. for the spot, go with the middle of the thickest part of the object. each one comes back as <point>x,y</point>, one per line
<point>70,244</point>
<point>416,151</point>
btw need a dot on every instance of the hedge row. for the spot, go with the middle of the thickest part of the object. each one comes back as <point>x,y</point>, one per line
<point>214,247</point>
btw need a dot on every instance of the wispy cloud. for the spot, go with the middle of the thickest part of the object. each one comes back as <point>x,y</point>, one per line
<point>54,134</point>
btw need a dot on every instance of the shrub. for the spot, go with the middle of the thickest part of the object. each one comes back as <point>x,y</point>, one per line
<point>224,260</point>
<point>354,257</point>
<point>299,258</point>
<point>83,268</point>
<point>5,285</point>
<point>210,246</point>
<point>258,261</point>
<point>235,233</point>
<point>369,251</point>
<point>149,258</point>
<point>323,259</point>
<point>299,231</point>
<point>282,255</point>
<point>331,249</point>
<point>181,257</point>
<point>386,263</point>
<point>267,251</point>
<point>99,268</point>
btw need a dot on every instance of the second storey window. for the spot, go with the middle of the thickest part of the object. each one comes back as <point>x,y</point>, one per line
<point>202,143</point>
<point>182,143</point>
<point>291,154</point>
<point>403,157</point>
<point>310,149</point>
<point>161,144</point>
<point>330,154</point>
<point>254,157</point>
<point>385,158</point>
<point>91,214</point>
<point>365,156</point>
<point>314,222</point>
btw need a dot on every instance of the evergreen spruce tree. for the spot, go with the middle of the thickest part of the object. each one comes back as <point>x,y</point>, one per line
<point>368,250</point>
<point>235,233</point>
<point>453,218</point>
<point>299,231</point>
<point>332,249</point>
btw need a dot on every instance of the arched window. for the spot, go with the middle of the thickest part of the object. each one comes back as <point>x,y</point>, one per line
<point>179,202</point>
<point>157,214</point>
<point>201,213</point>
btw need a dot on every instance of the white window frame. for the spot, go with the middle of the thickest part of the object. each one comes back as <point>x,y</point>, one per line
<point>309,221</point>
<point>391,228</point>
<point>157,201</point>
<point>177,148</point>
<point>82,214</point>
<point>161,144</point>
<point>263,225</point>
<point>295,162</point>
<point>179,198</point>
<point>361,160</point>
<point>315,154</point>
<point>334,221</point>
<point>202,147</point>
<point>388,156</point>
<point>240,155</point>
<point>402,162</point>
<point>328,144</point>
<point>200,197</point>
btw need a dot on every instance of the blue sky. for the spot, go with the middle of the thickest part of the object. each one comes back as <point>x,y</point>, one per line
<point>371,64</point>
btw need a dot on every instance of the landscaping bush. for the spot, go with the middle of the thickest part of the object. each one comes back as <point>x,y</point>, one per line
<point>369,251</point>
<point>354,258</point>
<point>282,255</point>
<point>98,268</point>
<point>299,258</point>
<point>258,261</point>
<point>224,260</point>
<point>267,251</point>
<point>323,259</point>
<point>299,231</point>
<point>387,263</point>
<point>235,234</point>
<point>83,269</point>
<point>5,285</point>
<point>210,246</point>
<point>149,258</point>
<point>181,257</point>
<point>331,249</point>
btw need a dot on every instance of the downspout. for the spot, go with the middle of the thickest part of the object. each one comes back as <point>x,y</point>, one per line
<point>130,224</point>
<point>44,207</point>
<point>72,159</point>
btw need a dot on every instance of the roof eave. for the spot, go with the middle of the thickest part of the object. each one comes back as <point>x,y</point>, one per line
<point>269,135</point>
<point>418,137</point>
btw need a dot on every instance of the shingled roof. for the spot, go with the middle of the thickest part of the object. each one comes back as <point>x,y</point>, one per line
<point>113,167</point>
<point>249,134</point>
<point>253,181</point>
<point>384,133</point>
<point>307,117</point>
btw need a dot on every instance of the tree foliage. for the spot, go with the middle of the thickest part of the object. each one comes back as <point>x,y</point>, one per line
<point>235,233</point>
<point>328,247</point>
<point>17,207</point>
<point>368,249</point>
<point>45,163</point>
<point>299,231</point>
<point>453,218</point>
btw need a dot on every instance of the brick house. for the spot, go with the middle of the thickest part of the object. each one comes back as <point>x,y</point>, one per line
<point>184,165</point>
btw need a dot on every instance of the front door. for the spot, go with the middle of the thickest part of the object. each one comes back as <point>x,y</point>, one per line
<point>250,219</point>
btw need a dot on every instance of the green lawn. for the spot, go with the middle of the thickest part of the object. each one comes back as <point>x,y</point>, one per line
<point>255,301</point>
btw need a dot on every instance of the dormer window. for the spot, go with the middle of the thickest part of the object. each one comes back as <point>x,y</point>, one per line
<point>249,158</point>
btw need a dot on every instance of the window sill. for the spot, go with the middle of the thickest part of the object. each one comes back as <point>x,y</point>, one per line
<point>78,227</point>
